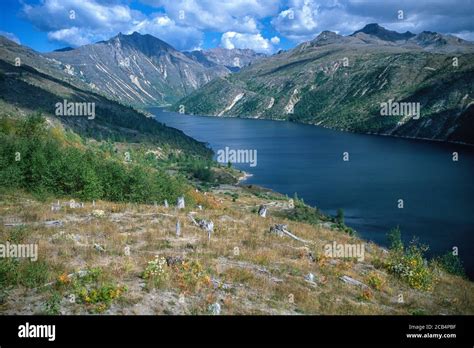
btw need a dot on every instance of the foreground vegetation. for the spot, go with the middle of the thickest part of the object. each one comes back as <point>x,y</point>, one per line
<point>53,161</point>
<point>129,260</point>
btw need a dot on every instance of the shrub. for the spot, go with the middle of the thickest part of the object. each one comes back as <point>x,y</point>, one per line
<point>100,297</point>
<point>340,217</point>
<point>50,164</point>
<point>411,266</point>
<point>201,171</point>
<point>207,201</point>
<point>156,271</point>
<point>452,264</point>
<point>33,273</point>
<point>375,281</point>
<point>28,273</point>
<point>395,239</point>
<point>191,276</point>
<point>53,305</point>
<point>8,272</point>
<point>304,213</point>
<point>93,290</point>
<point>366,295</point>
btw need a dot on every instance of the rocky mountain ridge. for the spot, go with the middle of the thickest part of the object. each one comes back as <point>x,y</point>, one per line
<point>341,82</point>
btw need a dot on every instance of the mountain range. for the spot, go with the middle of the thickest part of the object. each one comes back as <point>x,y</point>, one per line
<point>136,69</point>
<point>333,81</point>
<point>144,70</point>
<point>341,82</point>
<point>36,85</point>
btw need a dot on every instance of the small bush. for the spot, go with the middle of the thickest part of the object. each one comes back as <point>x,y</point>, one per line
<point>28,273</point>
<point>304,213</point>
<point>8,272</point>
<point>156,272</point>
<point>200,170</point>
<point>93,290</point>
<point>366,295</point>
<point>452,264</point>
<point>53,305</point>
<point>18,234</point>
<point>395,239</point>
<point>34,273</point>
<point>100,297</point>
<point>375,281</point>
<point>191,276</point>
<point>207,201</point>
<point>411,267</point>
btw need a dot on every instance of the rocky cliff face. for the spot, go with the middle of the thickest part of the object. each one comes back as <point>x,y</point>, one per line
<point>136,69</point>
<point>342,82</point>
<point>38,84</point>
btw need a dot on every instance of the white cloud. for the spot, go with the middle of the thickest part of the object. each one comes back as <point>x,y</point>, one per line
<point>184,22</point>
<point>73,36</point>
<point>166,29</point>
<point>52,15</point>
<point>92,21</point>
<point>275,40</point>
<point>219,15</point>
<point>298,22</point>
<point>302,20</point>
<point>465,35</point>
<point>256,42</point>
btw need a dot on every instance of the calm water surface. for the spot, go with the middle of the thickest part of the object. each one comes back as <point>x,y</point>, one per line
<point>438,193</point>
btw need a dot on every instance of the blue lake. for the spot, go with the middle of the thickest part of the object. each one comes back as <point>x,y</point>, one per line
<point>437,192</point>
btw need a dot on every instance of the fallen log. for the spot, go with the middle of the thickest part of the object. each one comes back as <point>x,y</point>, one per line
<point>280,230</point>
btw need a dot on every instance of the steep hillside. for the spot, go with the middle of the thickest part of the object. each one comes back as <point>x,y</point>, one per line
<point>14,53</point>
<point>24,90</point>
<point>118,258</point>
<point>136,69</point>
<point>341,82</point>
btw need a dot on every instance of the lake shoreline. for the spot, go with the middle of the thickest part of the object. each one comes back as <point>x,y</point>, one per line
<point>297,157</point>
<point>330,128</point>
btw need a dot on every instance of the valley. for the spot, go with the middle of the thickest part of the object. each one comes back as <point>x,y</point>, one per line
<point>234,247</point>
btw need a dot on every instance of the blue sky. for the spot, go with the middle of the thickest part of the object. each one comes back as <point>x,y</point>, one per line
<point>263,25</point>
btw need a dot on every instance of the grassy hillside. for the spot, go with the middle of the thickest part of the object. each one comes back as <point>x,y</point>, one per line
<point>129,260</point>
<point>51,161</point>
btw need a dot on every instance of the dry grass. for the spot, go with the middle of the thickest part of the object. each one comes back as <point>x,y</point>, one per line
<point>243,267</point>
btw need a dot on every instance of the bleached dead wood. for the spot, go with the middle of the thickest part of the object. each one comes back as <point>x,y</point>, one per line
<point>193,220</point>
<point>280,230</point>
<point>352,281</point>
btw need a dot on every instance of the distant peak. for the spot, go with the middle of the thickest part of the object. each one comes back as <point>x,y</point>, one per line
<point>373,27</point>
<point>64,49</point>
<point>326,36</point>
<point>146,43</point>
<point>377,30</point>
<point>134,34</point>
